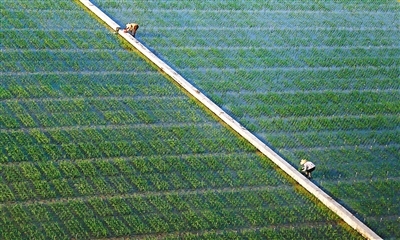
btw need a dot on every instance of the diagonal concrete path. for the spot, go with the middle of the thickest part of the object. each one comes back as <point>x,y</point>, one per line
<point>342,212</point>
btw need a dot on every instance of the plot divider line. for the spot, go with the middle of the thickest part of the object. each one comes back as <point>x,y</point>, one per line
<point>327,200</point>
<point>184,192</point>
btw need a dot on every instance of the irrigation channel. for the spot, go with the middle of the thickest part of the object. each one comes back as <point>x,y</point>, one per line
<point>342,212</point>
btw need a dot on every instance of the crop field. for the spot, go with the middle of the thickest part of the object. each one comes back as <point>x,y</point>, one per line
<point>96,143</point>
<point>314,79</point>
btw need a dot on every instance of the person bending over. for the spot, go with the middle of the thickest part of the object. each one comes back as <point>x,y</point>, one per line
<point>132,28</point>
<point>307,168</point>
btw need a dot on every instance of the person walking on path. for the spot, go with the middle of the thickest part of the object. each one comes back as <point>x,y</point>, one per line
<point>307,167</point>
<point>132,28</point>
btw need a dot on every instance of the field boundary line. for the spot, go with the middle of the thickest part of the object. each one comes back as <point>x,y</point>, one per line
<point>223,11</point>
<point>348,147</point>
<point>94,98</point>
<point>216,28</point>
<point>219,11</point>
<point>110,126</point>
<point>129,158</point>
<point>84,72</point>
<point>342,212</point>
<point>235,229</point>
<point>281,47</point>
<point>174,73</point>
<point>365,90</point>
<point>183,192</point>
<point>233,29</point>
<point>305,68</point>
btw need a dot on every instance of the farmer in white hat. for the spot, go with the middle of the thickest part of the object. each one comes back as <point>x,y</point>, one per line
<point>307,167</point>
<point>132,28</point>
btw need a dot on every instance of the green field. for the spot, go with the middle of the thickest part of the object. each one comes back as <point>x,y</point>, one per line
<point>96,143</point>
<point>313,79</point>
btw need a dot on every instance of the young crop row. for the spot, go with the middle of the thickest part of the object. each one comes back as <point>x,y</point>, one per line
<point>117,141</point>
<point>66,55</point>
<point>377,122</point>
<point>120,134</point>
<point>93,118</point>
<point>284,53</point>
<point>71,18</point>
<point>300,232</point>
<point>126,176</point>
<point>354,155</point>
<point>163,214</point>
<point>122,148</point>
<point>132,166</point>
<point>268,57</point>
<point>316,110</point>
<point>66,105</point>
<point>40,6</point>
<point>68,66</point>
<point>254,6</point>
<point>224,203</point>
<point>71,112</point>
<point>48,39</point>
<point>133,226</point>
<point>258,81</point>
<point>16,19</point>
<point>32,91</point>
<point>382,106</point>
<point>320,97</point>
<point>274,37</point>
<point>78,85</point>
<point>266,19</point>
<point>358,195</point>
<point>84,85</point>
<point>82,90</point>
<point>336,139</point>
<point>281,62</point>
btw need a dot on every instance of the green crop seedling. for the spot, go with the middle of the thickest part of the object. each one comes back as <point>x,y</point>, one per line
<point>96,143</point>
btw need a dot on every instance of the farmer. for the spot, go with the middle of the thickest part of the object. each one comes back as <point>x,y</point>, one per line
<point>307,167</point>
<point>132,28</point>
